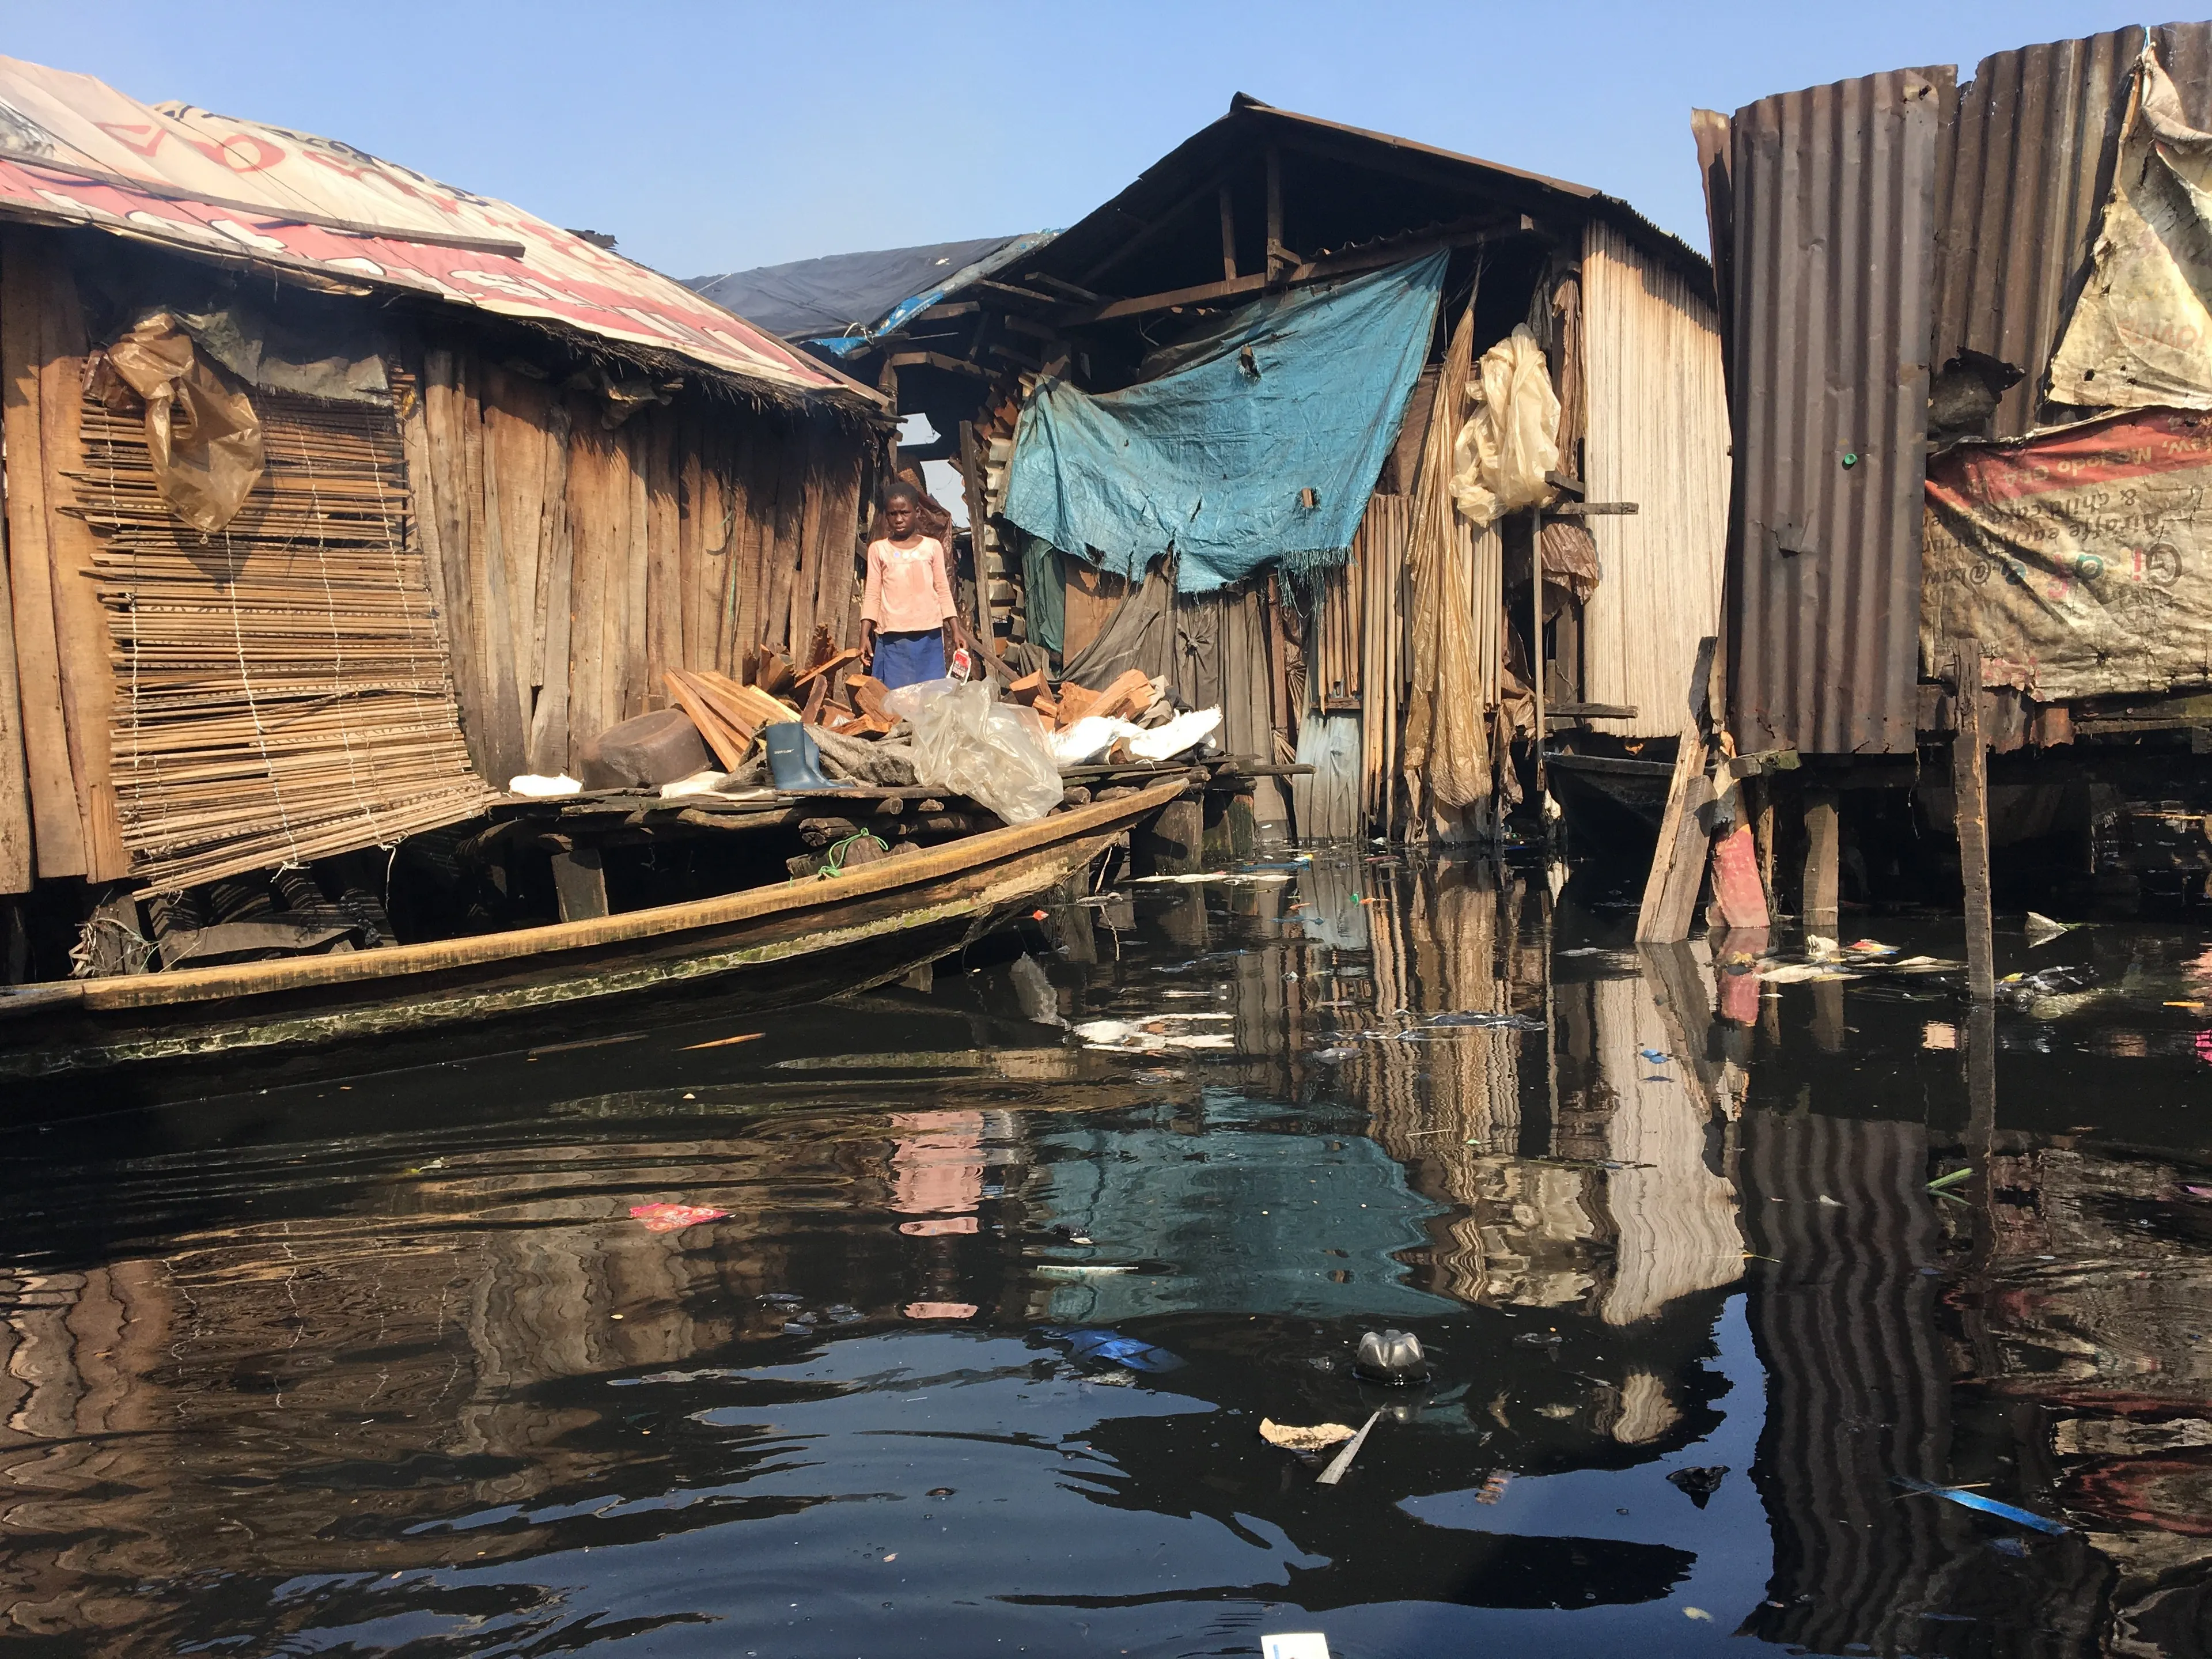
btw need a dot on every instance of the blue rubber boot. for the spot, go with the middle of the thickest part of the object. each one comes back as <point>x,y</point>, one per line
<point>792,760</point>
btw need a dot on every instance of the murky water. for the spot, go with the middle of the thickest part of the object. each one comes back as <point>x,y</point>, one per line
<point>1010,1273</point>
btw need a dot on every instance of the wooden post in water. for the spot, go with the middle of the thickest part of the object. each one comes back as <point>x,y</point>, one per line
<point>1823,862</point>
<point>1970,791</point>
<point>1678,863</point>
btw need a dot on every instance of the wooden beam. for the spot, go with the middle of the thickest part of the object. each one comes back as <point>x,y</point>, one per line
<point>935,359</point>
<point>1149,233</point>
<point>1313,270</point>
<point>1969,791</point>
<point>1228,236</point>
<point>971,485</point>
<point>945,313</point>
<point>1589,509</point>
<point>1060,285</point>
<point>1276,261</point>
<point>1018,293</point>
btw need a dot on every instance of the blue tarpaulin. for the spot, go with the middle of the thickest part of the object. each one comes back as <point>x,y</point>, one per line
<point>1301,390</point>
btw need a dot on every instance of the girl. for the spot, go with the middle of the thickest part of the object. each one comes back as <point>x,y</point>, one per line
<point>906,615</point>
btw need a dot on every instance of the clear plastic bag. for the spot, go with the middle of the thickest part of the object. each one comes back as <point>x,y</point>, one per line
<point>966,743</point>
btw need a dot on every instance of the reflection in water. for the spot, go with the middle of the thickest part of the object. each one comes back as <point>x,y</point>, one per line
<point>976,1357</point>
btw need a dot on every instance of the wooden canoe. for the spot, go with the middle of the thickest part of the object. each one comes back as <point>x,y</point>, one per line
<point>766,946</point>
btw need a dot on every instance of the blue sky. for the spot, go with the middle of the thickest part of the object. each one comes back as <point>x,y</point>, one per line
<point>709,138</point>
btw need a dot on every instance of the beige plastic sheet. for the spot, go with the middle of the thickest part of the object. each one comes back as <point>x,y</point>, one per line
<point>201,430</point>
<point>2140,334</point>
<point>1509,440</point>
<point>1444,745</point>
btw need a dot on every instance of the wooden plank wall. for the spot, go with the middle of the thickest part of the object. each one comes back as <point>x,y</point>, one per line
<point>58,815</point>
<point>571,563</point>
<point>1658,435</point>
<point>587,561</point>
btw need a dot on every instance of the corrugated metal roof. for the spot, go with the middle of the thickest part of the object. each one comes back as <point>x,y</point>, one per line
<point>74,150</point>
<point>2037,135</point>
<point>1834,198</point>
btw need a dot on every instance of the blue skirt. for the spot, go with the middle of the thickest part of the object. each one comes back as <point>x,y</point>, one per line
<point>905,659</point>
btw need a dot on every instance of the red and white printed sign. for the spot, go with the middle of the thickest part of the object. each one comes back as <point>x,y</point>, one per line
<point>74,150</point>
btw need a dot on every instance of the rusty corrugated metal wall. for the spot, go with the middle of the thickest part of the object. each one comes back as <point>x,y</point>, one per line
<point>1834,204</point>
<point>2039,133</point>
<point>1839,1226</point>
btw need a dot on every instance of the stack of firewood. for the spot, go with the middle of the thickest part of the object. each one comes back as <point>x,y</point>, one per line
<point>1129,696</point>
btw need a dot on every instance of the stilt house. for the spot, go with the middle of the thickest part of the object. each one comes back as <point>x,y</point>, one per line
<point>1215,304</point>
<point>1970,401</point>
<point>336,497</point>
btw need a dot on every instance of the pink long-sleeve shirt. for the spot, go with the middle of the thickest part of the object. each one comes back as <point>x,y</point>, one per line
<point>907,590</point>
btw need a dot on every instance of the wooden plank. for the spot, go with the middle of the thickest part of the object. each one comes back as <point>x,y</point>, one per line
<point>81,632</point>
<point>635,654</point>
<point>664,638</point>
<point>971,489</point>
<point>1823,862</point>
<point>1228,236</point>
<point>728,743</point>
<point>554,622</point>
<point>1970,787</point>
<point>579,884</point>
<point>592,527</point>
<point>694,641</point>
<point>57,823</point>
<point>807,576</point>
<point>753,495</point>
<point>838,606</point>
<point>438,476</point>
<point>780,544</point>
<point>487,570</point>
<point>18,857</point>
<point>1312,270</point>
<point>1678,864</point>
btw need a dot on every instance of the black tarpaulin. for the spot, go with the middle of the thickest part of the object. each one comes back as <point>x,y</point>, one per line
<point>847,293</point>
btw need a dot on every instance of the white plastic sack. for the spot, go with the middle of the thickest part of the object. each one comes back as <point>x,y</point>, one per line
<point>996,753</point>
<point>1185,732</point>
<point>533,783</point>
<point>1090,737</point>
<point>1510,441</point>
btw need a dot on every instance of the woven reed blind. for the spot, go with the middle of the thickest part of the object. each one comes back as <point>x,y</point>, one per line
<point>283,691</point>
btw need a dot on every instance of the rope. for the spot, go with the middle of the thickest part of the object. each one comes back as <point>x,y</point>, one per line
<point>833,863</point>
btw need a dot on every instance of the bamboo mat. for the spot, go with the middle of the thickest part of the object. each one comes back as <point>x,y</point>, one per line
<point>284,688</point>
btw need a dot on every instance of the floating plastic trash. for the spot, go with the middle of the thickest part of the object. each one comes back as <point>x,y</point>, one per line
<point>1113,1348</point>
<point>1298,1644</point>
<point>1293,1437</point>
<point>1489,1021</point>
<point>673,1218</point>
<point>1974,1500</point>
<point>1391,1356</point>
<point>1342,1460</point>
<point>1698,1485</point>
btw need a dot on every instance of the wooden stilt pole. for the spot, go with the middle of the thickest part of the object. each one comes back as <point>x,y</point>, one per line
<point>1823,862</point>
<point>1970,789</point>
